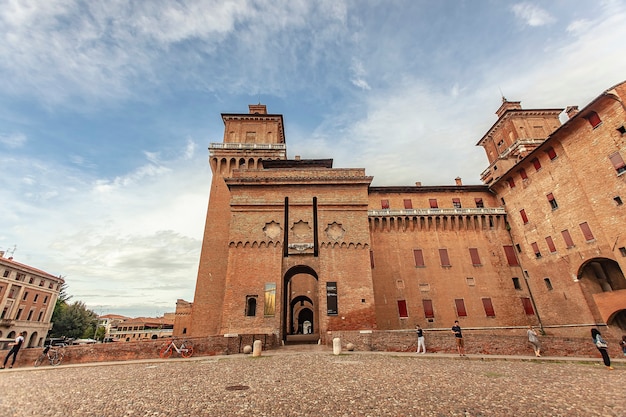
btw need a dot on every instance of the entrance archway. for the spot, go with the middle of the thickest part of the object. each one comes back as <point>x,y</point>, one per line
<point>300,298</point>
<point>604,286</point>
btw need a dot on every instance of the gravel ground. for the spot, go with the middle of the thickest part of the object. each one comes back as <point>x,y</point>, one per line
<point>317,384</point>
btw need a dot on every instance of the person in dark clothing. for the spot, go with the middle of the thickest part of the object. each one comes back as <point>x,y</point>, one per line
<point>15,347</point>
<point>602,347</point>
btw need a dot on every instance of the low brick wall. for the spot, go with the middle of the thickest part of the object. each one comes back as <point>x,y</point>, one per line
<point>123,351</point>
<point>487,342</point>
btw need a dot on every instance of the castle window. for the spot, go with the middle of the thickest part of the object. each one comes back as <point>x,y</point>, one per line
<point>36,298</point>
<point>548,284</point>
<point>510,255</point>
<point>528,306</point>
<point>522,213</point>
<point>474,256</point>
<point>552,201</point>
<point>418,256</point>
<point>622,251</point>
<point>402,310</point>
<point>536,164</point>
<point>40,316</point>
<point>569,243</point>
<point>618,200</point>
<point>471,282</point>
<point>6,273</point>
<point>621,130</point>
<point>516,283</point>
<point>30,315</point>
<point>429,313</point>
<point>408,204</point>
<point>488,306</point>
<point>511,182</point>
<point>251,305</point>
<point>372,259</point>
<point>456,202</point>
<point>551,153</point>
<point>522,173</point>
<point>443,256</point>
<point>550,244</point>
<point>586,231</point>
<point>594,119</point>
<point>433,203</point>
<point>25,296</point>
<point>518,247</point>
<point>618,162</point>
<point>460,307</point>
<point>479,203</point>
<point>384,204</point>
<point>399,284</point>
<point>536,249</point>
<point>270,299</point>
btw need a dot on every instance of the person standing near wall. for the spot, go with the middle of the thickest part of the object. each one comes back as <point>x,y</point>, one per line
<point>458,337</point>
<point>15,347</point>
<point>420,339</point>
<point>534,340</point>
<point>602,346</point>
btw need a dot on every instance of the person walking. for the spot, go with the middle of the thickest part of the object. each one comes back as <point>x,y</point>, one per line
<point>534,340</point>
<point>420,339</point>
<point>622,343</point>
<point>458,336</point>
<point>602,346</point>
<point>15,347</point>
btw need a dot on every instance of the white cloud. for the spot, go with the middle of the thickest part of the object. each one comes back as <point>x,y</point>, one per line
<point>532,15</point>
<point>13,140</point>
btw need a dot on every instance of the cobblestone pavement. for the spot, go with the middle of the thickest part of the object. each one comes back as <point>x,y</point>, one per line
<point>317,383</point>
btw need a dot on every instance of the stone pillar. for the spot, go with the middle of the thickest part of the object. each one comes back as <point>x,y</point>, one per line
<point>336,346</point>
<point>258,347</point>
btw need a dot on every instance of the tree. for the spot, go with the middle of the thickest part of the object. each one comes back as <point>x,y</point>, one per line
<point>73,320</point>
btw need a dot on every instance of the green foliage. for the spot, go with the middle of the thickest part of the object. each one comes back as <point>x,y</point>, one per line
<point>73,320</point>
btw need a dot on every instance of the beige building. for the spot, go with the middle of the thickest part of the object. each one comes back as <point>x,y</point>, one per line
<point>27,299</point>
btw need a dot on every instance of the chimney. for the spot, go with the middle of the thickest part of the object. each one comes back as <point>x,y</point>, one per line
<point>257,108</point>
<point>458,181</point>
<point>418,184</point>
<point>571,111</point>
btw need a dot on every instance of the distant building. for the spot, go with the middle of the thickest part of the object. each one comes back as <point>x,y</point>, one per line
<point>27,299</point>
<point>297,246</point>
<point>141,328</point>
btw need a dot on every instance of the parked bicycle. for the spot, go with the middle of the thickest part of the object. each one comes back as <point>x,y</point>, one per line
<point>54,355</point>
<point>185,349</point>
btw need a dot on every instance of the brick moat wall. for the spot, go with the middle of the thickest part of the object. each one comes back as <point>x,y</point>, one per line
<point>440,341</point>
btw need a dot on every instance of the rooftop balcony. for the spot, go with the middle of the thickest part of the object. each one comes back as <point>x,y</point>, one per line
<point>248,146</point>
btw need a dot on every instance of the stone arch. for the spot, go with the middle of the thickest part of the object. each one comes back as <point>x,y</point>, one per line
<point>604,287</point>
<point>32,340</point>
<point>296,292</point>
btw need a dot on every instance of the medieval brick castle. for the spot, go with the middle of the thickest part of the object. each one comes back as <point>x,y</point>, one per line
<point>296,246</point>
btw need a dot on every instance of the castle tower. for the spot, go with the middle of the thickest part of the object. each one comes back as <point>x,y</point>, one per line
<point>286,242</point>
<point>516,133</point>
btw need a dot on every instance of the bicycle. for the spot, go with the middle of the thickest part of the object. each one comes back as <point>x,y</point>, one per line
<point>55,356</point>
<point>185,350</point>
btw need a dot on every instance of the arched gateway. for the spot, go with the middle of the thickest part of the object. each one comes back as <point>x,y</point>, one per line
<point>604,286</point>
<point>300,318</point>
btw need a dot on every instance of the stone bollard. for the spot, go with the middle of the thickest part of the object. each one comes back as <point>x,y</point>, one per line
<point>350,347</point>
<point>247,349</point>
<point>336,346</point>
<point>258,347</point>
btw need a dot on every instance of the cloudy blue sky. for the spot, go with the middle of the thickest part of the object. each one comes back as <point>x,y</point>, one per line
<point>107,110</point>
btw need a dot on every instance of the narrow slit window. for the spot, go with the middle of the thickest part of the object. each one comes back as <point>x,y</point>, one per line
<point>552,201</point>
<point>522,213</point>
<point>548,284</point>
<point>372,259</point>
<point>516,283</point>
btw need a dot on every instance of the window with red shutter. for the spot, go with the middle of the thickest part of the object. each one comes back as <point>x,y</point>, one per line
<point>594,119</point>
<point>522,213</point>
<point>418,255</point>
<point>384,204</point>
<point>488,306</point>
<point>474,255</point>
<point>460,307</point>
<point>550,243</point>
<point>567,238</point>
<point>510,255</point>
<point>429,313</point>
<point>536,164</point>
<point>552,201</point>
<point>536,249</point>
<point>456,202</point>
<point>433,203</point>
<point>522,173</point>
<point>586,232</point>
<point>511,182</point>
<point>528,306</point>
<point>551,153</point>
<point>402,311</point>
<point>443,256</point>
<point>479,203</point>
<point>408,204</point>
<point>618,162</point>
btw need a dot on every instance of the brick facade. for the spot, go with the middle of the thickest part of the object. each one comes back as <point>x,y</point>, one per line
<point>539,243</point>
